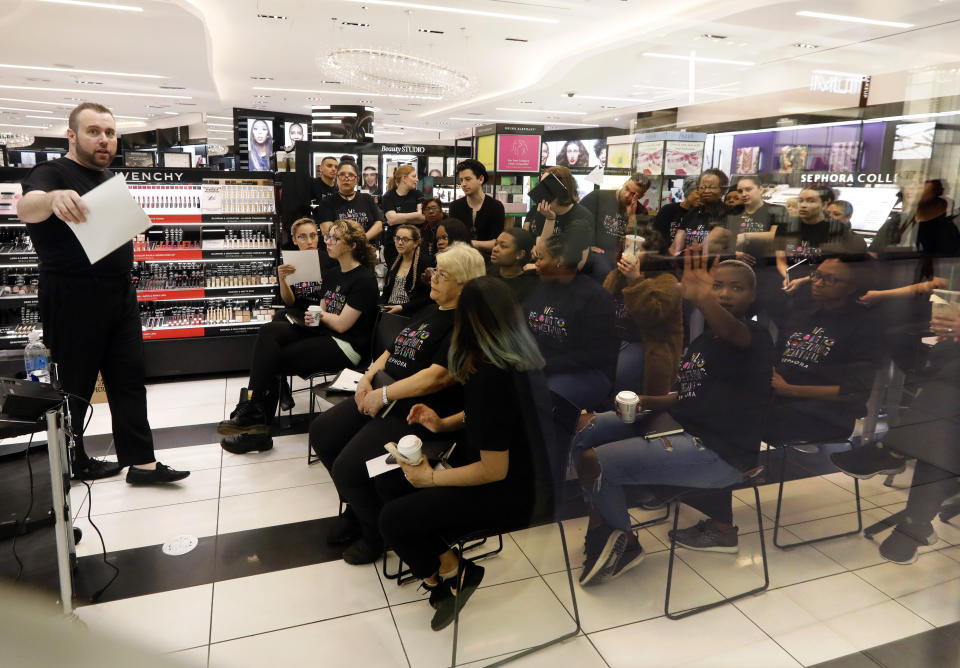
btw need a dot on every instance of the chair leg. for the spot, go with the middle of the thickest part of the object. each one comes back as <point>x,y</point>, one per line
<point>576,612</point>
<point>456,607</point>
<point>726,599</point>
<point>776,521</point>
<point>656,520</point>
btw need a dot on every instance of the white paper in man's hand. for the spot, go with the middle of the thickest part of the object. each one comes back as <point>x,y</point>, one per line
<point>114,218</point>
<point>306,263</point>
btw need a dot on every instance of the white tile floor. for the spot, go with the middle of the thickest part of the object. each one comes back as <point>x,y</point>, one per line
<point>825,600</point>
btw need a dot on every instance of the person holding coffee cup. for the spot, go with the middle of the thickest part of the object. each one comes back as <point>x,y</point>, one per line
<point>338,330</point>
<point>415,366</point>
<point>492,353</point>
<point>722,389</point>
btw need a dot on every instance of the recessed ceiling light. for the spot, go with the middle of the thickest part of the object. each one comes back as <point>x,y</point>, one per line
<point>854,19</point>
<point>805,45</point>
<point>99,92</point>
<point>219,125</point>
<point>46,118</point>
<point>138,118</point>
<point>272,17</point>
<point>262,78</point>
<point>700,59</point>
<point>83,82</point>
<point>354,24</point>
<point>430,31</point>
<point>526,120</point>
<point>456,10</point>
<point>711,36</point>
<point>407,127</point>
<point>73,69</point>
<point>543,111</point>
<point>97,5</point>
<point>516,39</point>
<point>636,100</point>
<point>35,111</point>
<point>348,92</point>
<point>226,118</point>
<point>34,127</point>
<point>37,80</point>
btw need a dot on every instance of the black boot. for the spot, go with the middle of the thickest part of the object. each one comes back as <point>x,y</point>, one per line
<point>247,418</point>
<point>241,444</point>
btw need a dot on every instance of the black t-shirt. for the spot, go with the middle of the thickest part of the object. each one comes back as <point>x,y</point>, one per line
<point>361,209</point>
<point>837,347</point>
<point>490,218</point>
<point>417,347</point>
<point>498,425</point>
<point>698,222</point>
<point>357,289</point>
<point>668,220</point>
<point>401,204</point>
<point>522,286</point>
<point>723,392</point>
<point>609,222</point>
<point>321,190</point>
<point>56,245</point>
<point>574,325</point>
<point>802,241</point>
<point>577,214</point>
<point>761,220</point>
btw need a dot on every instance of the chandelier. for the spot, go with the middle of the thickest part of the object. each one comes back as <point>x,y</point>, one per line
<point>15,139</point>
<point>216,149</point>
<point>394,74</point>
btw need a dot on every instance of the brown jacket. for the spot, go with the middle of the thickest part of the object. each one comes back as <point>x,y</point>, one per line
<point>656,305</point>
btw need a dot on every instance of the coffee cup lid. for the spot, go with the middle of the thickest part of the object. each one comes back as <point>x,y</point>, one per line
<point>627,395</point>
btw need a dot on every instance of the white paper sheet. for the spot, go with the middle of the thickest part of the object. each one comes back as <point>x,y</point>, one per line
<point>307,265</point>
<point>379,466</point>
<point>114,218</point>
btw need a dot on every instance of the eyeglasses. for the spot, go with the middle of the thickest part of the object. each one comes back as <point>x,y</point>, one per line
<point>403,240</point>
<point>347,176</point>
<point>432,207</point>
<point>313,236</point>
<point>330,239</point>
<point>828,279</point>
<point>439,275</point>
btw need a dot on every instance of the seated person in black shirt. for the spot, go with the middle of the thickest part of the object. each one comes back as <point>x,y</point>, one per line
<point>329,340</point>
<point>711,211</point>
<point>827,358</point>
<point>614,214</point>
<point>352,432</point>
<point>432,209</point>
<point>492,354</point>
<point>508,261</point>
<point>562,212</point>
<point>450,231</point>
<point>573,320</point>
<point>732,198</point>
<point>669,217</point>
<point>403,291</point>
<point>348,203</point>
<point>723,387</point>
<point>307,237</point>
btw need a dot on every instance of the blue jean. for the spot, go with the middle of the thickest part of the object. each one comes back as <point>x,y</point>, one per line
<point>587,390</point>
<point>630,367</point>
<point>627,458</point>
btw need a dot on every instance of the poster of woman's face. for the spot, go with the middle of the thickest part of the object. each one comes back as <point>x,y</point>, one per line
<point>259,143</point>
<point>574,153</point>
<point>292,133</point>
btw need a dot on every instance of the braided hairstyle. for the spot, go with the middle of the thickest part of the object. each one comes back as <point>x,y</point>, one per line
<point>414,273</point>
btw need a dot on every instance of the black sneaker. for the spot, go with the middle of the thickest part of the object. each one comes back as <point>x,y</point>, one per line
<point>246,418</point>
<point>629,553</point>
<point>362,552</point>
<point>864,463</point>
<point>704,536</point>
<point>95,469</point>
<point>900,547</point>
<point>598,546</point>
<point>158,476</point>
<point>449,603</point>
<point>241,444</point>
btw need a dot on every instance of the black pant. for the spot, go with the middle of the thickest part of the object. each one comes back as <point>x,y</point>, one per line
<point>419,523</point>
<point>282,349</point>
<point>345,439</point>
<point>93,324</point>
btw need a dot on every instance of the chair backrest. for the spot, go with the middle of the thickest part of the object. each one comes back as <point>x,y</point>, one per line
<point>385,332</point>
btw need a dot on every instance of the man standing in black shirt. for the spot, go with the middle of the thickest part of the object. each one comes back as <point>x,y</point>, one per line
<point>91,320</point>
<point>483,215</point>
<point>326,185</point>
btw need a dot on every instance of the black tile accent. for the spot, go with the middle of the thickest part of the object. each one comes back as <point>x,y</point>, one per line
<point>937,648</point>
<point>857,660</point>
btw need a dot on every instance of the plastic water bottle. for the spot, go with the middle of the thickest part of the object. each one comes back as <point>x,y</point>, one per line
<point>35,359</point>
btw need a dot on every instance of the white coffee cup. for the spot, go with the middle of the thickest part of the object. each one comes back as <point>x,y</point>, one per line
<point>627,405</point>
<point>314,312</point>
<point>944,302</point>
<point>409,446</point>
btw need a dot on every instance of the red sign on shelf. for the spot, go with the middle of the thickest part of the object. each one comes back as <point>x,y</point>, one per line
<point>182,333</point>
<point>173,218</point>
<point>166,295</point>
<point>168,255</point>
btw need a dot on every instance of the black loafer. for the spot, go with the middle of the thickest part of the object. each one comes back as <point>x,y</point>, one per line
<point>244,443</point>
<point>158,476</point>
<point>95,469</point>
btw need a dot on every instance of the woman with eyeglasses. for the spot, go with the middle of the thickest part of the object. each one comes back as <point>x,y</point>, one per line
<point>350,204</point>
<point>328,340</point>
<point>432,210</point>
<point>402,204</point>
<point>402,291</point>
<point>306,236</point>
<point>414,371</point>
<point>710,212</point>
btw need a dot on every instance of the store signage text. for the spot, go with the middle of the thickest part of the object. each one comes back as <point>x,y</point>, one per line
<point>403,149</point>
<point>151,176</point>
<point>840,83</point>
<point>521,128</point>
<point>870,177</point>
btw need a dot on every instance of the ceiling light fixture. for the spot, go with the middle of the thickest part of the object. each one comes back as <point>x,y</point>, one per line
<point>405,127</point>
<point>805,45</point>
<point>33,127</point>
<point>138,118</point>
<point>346,92</point>
<point>219,125</point>
<point>521,122</point>
<point>700,59</point>
<point>543,111</point>
<point>456,10</point>
<point>46,118</point>
<point>71,69</point>
<point>854,19</point>
<point>578,96</point>
<point>36,111</point>
<point>53,104</point>
<point>99,92</point>
<point>15,139</point>
<point>96,5</point>
<point>382,70</point>
<point>225,118</point>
